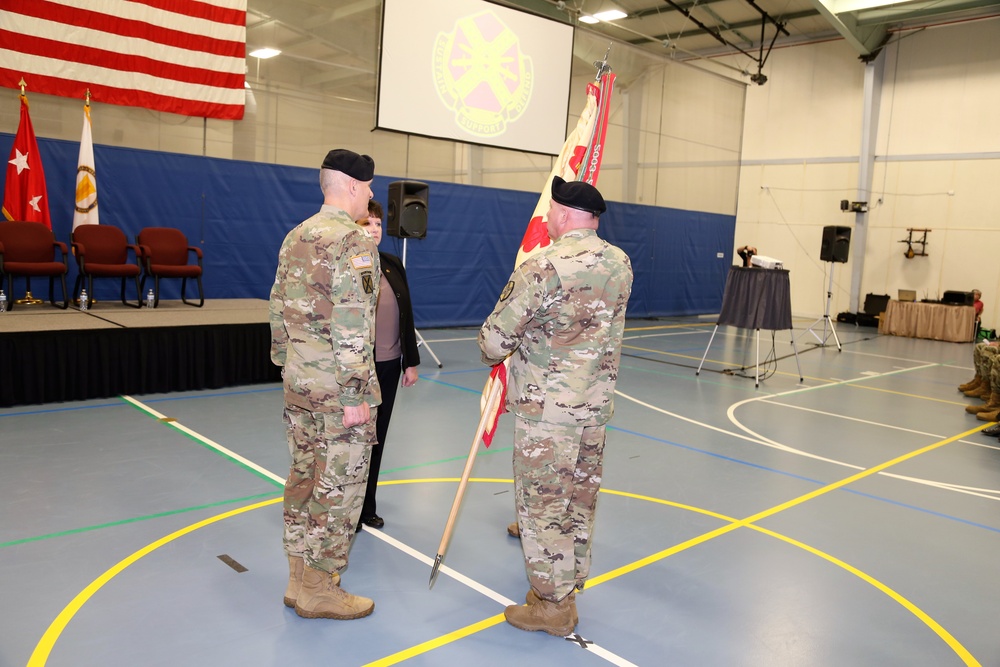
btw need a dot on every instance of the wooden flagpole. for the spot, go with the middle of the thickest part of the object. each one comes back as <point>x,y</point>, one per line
<point>491,404</point>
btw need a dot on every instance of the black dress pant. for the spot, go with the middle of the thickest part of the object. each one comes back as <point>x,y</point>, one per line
<point>388,373</point>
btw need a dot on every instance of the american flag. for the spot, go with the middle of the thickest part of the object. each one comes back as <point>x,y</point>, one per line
<point>187,57</point>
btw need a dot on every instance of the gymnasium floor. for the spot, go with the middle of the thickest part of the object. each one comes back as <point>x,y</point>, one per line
<point>848,520</point>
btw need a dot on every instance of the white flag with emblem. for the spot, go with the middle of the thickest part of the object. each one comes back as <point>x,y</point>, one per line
<point>86,178</point>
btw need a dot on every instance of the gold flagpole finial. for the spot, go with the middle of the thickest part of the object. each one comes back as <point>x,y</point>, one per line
<point>86,101</point>
<point>23,85</point>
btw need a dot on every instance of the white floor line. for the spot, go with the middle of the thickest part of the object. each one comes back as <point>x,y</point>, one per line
<point>761,440</point>
<point>211,443</point>
<point>942,485</point>
<point>756,441</point>
<point>408,550</point>
<point>731,414</point>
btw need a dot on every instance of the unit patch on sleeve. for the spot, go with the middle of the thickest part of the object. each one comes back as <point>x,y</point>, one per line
<point>508,288</point>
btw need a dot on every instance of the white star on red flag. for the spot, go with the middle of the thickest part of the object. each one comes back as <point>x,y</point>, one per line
<point>21,161</point>
<point>25,196</point>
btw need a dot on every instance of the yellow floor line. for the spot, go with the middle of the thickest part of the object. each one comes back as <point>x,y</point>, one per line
<point>903,393</point>
<point>44,647</point>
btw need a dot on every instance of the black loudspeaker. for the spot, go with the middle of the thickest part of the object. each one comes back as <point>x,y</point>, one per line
<point>836,244</point>
<point>407,216</point>
<point>958,298</point>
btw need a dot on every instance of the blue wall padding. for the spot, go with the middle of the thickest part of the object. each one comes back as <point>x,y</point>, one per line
<point>239,212</point>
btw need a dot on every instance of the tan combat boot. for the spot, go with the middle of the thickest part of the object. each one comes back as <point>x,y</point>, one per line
<point>988,415</point>
<point>532,598</point>
<point>295,566</point>
<point>991,410</point>
<point>555,618</point>
<point>322,597</point>
<point>974,382</point>
<point>514,530</point>
<point>982,390</point>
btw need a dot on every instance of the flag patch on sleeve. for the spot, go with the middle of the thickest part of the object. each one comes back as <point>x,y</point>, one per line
<point>360,262</point>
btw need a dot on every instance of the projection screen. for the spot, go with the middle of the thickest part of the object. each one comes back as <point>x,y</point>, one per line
<point>474,72</point>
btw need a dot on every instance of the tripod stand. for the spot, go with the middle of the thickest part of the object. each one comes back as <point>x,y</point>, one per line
<point>825,319</point>
<point>420,339</point>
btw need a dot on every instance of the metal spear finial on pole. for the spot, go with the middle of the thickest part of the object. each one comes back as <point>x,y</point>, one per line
<point>602,65</point>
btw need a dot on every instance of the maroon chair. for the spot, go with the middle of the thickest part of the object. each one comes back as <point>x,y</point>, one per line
<point>102,252</point>
<point>164,252</point>
<point>28,249</point>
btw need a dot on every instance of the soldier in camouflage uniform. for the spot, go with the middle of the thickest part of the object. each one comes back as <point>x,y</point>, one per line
<point>562,317</point>
<point>986,384</point>
<point>322,314</point>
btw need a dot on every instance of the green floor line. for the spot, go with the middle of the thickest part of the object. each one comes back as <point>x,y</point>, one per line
<point>158,515</point>
<point>434,463</point>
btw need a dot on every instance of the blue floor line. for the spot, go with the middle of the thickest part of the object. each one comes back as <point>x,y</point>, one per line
<point>805,479</point>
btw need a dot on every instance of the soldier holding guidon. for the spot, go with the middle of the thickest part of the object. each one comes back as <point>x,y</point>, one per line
<point>562,318</point>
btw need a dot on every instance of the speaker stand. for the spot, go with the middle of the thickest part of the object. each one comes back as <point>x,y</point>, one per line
<point>825,319</point>
<point>420,338</point>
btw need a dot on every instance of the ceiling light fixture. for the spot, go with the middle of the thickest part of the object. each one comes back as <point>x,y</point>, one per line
<point>606,11</point>
<point>264,53</point>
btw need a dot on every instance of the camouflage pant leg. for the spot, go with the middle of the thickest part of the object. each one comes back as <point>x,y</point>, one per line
<point>977,350</point>
<point>986,355</point>
<point>557,476</point>
<point>586,488</point>
<point>994,372</point>
<point>325,488</point>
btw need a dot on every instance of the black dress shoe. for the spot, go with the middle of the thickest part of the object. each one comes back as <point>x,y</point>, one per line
<point>992,430</point>
<point>374,521</point>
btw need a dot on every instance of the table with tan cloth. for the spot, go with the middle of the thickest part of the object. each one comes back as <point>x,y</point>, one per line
<point>936,321</point>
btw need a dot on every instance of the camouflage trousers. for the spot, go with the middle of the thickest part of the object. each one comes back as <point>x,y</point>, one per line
<point>983,356</point>
<point>325,488</point>
<point>557,477</point>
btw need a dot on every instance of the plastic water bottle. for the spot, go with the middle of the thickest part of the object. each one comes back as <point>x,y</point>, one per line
<point>84,301</point>
<point>150,299</point>
<point>3,302</point>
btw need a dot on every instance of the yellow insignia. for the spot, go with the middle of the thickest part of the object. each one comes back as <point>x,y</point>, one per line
<point>482,75</point>
<point>508,288</point>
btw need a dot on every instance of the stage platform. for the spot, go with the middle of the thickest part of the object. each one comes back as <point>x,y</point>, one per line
<point>49,355</point>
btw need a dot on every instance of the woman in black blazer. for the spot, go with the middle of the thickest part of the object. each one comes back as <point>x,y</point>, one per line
<point>395,352</point>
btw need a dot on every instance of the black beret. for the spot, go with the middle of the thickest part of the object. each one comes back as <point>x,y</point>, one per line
<point>358,167</point>
<point>577,194</point>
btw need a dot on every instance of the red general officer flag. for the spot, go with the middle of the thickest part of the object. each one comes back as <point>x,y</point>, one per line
<point>24,195</point>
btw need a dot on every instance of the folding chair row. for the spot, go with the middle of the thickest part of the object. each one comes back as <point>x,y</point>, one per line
<point>30,249</point>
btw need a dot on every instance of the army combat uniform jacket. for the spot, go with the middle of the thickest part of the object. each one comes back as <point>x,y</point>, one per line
<point>563,316</point>
<point>322,313</point>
